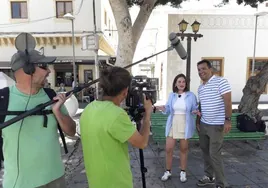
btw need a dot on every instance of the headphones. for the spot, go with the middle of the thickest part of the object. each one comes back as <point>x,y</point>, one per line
<point>28,67</point>
<point>25,43</point>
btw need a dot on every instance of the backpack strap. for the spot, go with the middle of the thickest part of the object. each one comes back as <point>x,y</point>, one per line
<point>17,113</point>
<point>4,100</point>
<point>51,94</point>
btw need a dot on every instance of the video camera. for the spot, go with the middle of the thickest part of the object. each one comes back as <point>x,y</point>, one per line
<point>141,85</point>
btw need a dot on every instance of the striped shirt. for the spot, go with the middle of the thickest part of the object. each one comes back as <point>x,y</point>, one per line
<point>211,100</point>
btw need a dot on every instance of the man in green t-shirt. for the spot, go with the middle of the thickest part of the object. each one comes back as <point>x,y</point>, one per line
<point>106,130</point>
<point>32,154</point>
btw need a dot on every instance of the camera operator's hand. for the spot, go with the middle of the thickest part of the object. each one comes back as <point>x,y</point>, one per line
<point>147,105</point>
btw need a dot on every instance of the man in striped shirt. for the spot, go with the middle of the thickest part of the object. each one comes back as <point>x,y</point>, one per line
<point>216,109</point>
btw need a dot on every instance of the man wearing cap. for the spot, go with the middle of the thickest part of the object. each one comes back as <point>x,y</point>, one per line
<point>32,151</point>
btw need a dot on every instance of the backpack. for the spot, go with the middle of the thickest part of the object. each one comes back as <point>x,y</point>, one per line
<point>246,124</point>
<point>4,100</point>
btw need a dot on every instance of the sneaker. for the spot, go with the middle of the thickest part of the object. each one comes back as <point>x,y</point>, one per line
<point>183,176</point>
<point>205,181</point>
<point>166,176</point>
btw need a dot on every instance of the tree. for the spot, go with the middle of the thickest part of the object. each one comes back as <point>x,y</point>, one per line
<point>252,3</point>
<point>255,86</point>
<point>129,35</point>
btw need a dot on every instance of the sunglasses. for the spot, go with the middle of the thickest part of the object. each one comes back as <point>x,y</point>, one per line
<point>44,67</point>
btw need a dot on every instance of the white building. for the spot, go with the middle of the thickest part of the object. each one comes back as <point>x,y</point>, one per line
<point>53,34</point>
<point>228,37</point>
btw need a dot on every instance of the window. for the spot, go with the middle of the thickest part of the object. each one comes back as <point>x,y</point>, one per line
<point>88,76</point>
<point>217,65</point>
<point>105,17</point>
<point>259,64</point>
<point>19,10</point>
<point>63,7</point>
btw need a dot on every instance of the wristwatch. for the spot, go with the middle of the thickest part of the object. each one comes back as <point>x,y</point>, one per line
<point>227,118</point>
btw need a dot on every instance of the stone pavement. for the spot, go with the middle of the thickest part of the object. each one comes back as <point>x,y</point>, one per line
<point>245,166</point>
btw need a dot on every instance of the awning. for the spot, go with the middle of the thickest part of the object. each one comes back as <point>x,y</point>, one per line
<point>105,46</point>
<point>5,64</point>
<point>57,38</point>
<point>66,60</point>
<point>77,61</point>
<point>80,60</point>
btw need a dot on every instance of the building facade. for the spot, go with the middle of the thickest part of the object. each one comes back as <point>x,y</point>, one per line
<point>228,42</point>
<point>53,34</point>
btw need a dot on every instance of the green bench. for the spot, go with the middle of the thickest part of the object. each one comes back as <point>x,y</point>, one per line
<point>158,124</point>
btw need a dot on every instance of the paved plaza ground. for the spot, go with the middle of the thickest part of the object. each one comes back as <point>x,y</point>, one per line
<point>245,166</point>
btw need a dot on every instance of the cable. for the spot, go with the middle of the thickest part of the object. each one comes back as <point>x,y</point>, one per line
<point>18,148</point>
<point>80,6</point>
<point>26,22</point>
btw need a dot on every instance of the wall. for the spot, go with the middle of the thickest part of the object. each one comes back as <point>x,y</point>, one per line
<point>42,22</point>
<point>110,30</point>
<point>45,12</point>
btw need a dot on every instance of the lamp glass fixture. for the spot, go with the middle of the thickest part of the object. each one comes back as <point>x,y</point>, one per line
<point>183,25</point>
<point>195,26</point>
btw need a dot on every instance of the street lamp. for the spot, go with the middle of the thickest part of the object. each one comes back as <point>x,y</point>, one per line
<point>69,16</point>
<point>195,28</point>
<point>263,13</point>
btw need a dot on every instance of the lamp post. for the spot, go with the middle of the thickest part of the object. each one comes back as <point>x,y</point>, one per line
<point>69,16</point>
<point>96,49</point>
<point>195,27</point>
<point>255,37</point>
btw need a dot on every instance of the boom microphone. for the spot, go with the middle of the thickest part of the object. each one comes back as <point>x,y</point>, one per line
<point>176,44</point>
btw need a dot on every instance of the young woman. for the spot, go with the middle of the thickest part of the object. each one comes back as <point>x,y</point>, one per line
<point>181,107</point>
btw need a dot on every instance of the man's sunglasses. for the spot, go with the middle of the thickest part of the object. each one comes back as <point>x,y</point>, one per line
<point>44,67</point>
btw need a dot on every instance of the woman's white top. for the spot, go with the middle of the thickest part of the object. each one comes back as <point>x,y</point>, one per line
<point>179,106</point>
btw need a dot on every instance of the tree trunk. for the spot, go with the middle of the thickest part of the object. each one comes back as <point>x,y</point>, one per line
<point>145,11</point>
<point>128,35</point>
<point>125,51</point>
<point>255,86</point>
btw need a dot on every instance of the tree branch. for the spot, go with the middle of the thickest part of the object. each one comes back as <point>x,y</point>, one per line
<point>145,11</point>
